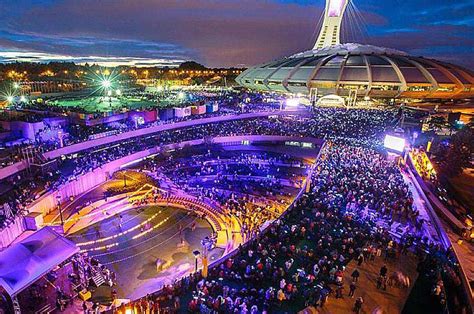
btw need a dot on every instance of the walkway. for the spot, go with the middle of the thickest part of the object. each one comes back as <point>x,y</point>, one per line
<point>419,203</point>
<point>390,301</point>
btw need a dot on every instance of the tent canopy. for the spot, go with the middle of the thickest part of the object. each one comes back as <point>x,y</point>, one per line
<point>28,260</point>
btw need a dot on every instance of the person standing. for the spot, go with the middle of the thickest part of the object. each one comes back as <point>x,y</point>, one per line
<point>352,289</point>
<point>355,275</point>
<point>383,271</point>
<point>85,308</point>
<point>383,276</point>
<point>358,305</point>
<point>339,290</point>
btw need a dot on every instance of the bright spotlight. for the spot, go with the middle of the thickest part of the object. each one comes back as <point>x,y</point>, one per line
<point>394,143</point>
<point>106,83</point>
<point>292,102</point>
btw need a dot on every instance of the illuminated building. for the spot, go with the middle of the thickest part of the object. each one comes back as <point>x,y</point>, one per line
<point>358,71</point>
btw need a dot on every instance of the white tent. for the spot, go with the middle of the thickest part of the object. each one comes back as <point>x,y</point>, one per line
<point>25,262</point>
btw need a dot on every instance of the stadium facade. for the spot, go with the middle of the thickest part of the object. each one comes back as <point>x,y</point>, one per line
<point>356,70</point>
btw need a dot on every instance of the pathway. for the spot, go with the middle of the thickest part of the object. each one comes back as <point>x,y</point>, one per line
<point>390,301</point>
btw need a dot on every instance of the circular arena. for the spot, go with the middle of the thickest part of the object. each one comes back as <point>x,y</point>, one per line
<point>361,71</point>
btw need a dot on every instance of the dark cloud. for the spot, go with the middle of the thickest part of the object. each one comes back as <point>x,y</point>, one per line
<point>216,32</point>
<point>228,32</point>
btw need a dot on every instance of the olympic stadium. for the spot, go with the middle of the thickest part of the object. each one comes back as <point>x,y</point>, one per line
<point>141,198</point>
<point>358,71</point>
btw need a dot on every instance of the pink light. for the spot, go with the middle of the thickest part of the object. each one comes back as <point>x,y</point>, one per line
<point>335,7</point>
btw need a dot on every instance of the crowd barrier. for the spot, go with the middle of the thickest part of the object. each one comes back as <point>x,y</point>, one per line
<point>15,229</point>
<point>159,128</point>
<point>434,203</point>
<point>7,171</point>
<point>431,203</point>
<point>75,148</point>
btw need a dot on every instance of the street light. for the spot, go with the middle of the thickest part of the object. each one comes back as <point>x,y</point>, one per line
<point>207,245</point>
<point>196,254</point>
<point>292,102</point>
<point>58,198</point>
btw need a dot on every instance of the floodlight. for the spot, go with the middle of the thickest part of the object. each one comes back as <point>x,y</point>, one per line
<point>394,143</point>
<point>106,83</point>
<point>292,102</point>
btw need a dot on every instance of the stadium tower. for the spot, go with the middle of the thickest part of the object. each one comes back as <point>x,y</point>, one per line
<point>329,34</point>
<point>335,70</point>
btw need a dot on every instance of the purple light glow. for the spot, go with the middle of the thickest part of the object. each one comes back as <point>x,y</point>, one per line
<point>335,8</point>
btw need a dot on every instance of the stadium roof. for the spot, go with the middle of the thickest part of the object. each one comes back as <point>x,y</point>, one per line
<point>356,70</point>
<point>28,260</point>
<point>364,69</point>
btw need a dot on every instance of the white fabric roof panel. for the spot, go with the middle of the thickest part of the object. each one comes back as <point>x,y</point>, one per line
<point>27,261</point>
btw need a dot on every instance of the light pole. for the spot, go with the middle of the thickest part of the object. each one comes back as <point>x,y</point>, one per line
<point>58,198</point>
<point>207,245</point>
<point>196,255</point>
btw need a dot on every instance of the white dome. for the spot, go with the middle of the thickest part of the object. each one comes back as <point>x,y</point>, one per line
<point>364,69</point>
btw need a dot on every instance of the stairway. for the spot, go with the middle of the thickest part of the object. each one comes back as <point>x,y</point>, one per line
<point>98,279</point>
<point>16,306</point>
<point>48,308</point>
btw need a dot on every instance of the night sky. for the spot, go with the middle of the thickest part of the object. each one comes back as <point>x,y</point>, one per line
<point>223,33</point>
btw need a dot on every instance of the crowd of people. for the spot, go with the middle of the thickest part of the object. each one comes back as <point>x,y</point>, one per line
<point>229,102</point>
<point>79,273</point>
<point>330,123</point>
<point>300,259</point>
<point>247,185</point>
<point>423,165</point>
